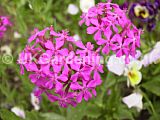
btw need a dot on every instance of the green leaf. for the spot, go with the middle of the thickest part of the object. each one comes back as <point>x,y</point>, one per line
<point>21,22</point>
<point>7,115</point>
<point>52,116</point>
<point>37,5</point>
<point>154,117</point>
<point>33,115</point>
<point>77,113</point>
<point>48,6</point>
<point>152,86</point>
<point>124,113</point>
<point>93,111</point>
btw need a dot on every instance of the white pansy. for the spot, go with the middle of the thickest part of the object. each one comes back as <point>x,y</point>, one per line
<point>18,111</point>
<point>153,56</point>
<point>136,64</point>
<point>76,37</point>
<point>134,100</point>
<point>35,102</point>
<point>116,65</point>
<point>72,9</point>
<point>157,46</point>
<point>134,76</point>
<point>146,60</point>
<point>6,50</point>
<point>85,5</point>
<point>17,35</point>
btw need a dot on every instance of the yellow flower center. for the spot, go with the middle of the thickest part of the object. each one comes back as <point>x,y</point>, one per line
<point>134,77</point>
<point>141,11</point>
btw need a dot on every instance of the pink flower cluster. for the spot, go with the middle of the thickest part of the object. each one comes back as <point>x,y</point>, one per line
<point>112,29</point>
<point>46,58</point>
<point>4,23</point>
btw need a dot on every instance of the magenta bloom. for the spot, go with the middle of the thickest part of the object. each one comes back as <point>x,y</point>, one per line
<point>112,29</point>
<point>64,98</point>
<point>56,67</point>
<point>4,23</point>
<point>84,90</point>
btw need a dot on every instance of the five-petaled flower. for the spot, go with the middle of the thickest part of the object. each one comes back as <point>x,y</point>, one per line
<point>112,29</point>
<point>56,67</point>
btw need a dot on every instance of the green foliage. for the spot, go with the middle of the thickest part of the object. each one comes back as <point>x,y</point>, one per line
<point>52,116</point>
<point>153,86</point>
<point>7,115</point>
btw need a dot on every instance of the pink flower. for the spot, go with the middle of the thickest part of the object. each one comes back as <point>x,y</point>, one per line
<point>119,46</point>
<point>63,37</point>
<point>37,34</point>
<point>54,65</point>
<point>84,90</point>
<point>4,24</point>
<point>55,49</point>
<point>112,29</point>
<point>83,72</point>
<point>64,99</point>
<point>98,28</point>
<point>84,49</point>
<point>106,42</point>
<point>85,19</point>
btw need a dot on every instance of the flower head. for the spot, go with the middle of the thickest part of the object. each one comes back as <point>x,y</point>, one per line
<point>19,112</point>
<point>17,35</point>
<point>153,56</point>
<point>63,73</point>
<point>86,4</point>
<point>4,23</point>
<point>134,100</point>
<point>131,70</point>
<point>133,73</point>
<point>112,29</point>
<point>72,9</point>
<point>143,12</point>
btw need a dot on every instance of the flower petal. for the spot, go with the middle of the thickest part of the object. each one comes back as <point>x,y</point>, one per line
<point>116,65</point>
<point>134,100</point>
